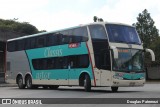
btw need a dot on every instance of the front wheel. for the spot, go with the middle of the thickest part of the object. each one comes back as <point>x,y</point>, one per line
<point>20,82</point>
<point>87,83</point>
<point>29,82</point>
<point>114,89</point>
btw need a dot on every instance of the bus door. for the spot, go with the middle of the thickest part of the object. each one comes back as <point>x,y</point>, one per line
<point>105,67</point>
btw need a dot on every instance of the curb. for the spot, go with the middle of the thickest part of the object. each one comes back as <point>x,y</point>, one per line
<point>7,85</point>
<point>15,85</point>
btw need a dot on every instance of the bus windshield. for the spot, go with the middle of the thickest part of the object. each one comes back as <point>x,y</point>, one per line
<point>122,34</point>
<point>129,60</point>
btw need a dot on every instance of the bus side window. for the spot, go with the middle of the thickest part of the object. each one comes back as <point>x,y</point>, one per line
<point>61,63</point>
<point>52,39</point>
<point>50,63</point>
<point>81,31</point>
<point>27,44</point>
<point>79,61</point>
<point>11,46</point>
<point>83,61</point>
<point>32,42</point>
<point>35,64</point>
<point>41,41</point>
<point>72,61</point>
<point>97,32</point>
<point>20,45</point>
<point>65,39</point>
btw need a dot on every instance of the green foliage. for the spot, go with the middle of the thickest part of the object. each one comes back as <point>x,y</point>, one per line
<point>149,35</point>
<point>15,26</point>
<point>146,29</point>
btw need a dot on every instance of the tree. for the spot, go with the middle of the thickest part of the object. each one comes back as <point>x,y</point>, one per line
<point>149,35</point>
<point>146,29</point>
<point>14,25</point>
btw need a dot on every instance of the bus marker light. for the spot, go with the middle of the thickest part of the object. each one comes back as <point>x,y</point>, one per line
<point>74,45</point>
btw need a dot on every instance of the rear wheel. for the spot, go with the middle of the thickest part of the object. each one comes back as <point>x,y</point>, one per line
<point>29,82</point>
<point>114,89</point>
<point>87,83</point>
<point>20,82</point>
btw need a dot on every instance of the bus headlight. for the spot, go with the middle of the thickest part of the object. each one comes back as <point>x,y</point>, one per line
<point>117,77</point>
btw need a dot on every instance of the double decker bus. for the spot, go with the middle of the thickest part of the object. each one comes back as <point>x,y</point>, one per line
<point>99,54</point>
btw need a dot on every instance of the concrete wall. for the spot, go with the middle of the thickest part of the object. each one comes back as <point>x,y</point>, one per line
<point>153,72</point>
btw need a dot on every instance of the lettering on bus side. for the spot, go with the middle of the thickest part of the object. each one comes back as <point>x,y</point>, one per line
<point>43,75</point>
<point>50,53</point>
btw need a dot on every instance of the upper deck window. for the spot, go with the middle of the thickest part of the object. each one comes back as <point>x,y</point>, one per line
<point>97,32</point>
<point>122,34</point>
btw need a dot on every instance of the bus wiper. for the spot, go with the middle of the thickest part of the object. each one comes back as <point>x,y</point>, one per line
<point>122,42</point>
<point>134,43</point>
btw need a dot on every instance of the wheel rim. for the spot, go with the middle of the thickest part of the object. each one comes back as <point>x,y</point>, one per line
<point>85,83</point>
<point>20,81</point>
<point>28,83</point>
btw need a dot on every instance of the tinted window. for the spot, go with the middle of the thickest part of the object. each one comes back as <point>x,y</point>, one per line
<point>64,37</point>
<point>27,43</point>
<point>53,39</point>
<point>20,45</point>
<point>61,63</point>
<point>83,61</point>
<point>79,61</point>
<point>97,31</point>
<point>11,46</point>
<point>41,41</point>
<point>82,31</point>
<point>121,33</point>
<point>32,42</point>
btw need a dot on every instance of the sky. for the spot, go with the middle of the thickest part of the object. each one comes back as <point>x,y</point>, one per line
<point>52,15</point>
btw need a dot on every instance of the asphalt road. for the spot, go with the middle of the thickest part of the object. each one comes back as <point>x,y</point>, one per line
<point>148,91</point>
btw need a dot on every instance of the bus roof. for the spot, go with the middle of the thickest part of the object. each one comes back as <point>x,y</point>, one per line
<point>56,31</point>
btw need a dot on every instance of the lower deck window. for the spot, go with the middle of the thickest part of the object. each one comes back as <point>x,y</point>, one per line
<point>74,61</point>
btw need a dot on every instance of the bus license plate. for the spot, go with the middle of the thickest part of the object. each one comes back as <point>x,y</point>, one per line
<point>132,84</point>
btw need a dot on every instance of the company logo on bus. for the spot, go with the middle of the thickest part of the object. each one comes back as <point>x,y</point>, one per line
<point>123,50</point>
<point>74,45</point>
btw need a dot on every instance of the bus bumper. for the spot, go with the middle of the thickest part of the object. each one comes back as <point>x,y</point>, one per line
<point>128,83</point>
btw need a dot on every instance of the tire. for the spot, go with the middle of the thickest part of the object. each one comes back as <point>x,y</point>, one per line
<point>114,89</point>
<point>87,83</point>
<point>20,82</point>
<point>53,87</point>
<point>29,82</point>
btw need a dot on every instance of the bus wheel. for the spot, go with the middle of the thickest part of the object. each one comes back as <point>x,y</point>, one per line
<point>114,89</point>
<point>53,87</point>
<point>87,83</point>
<point>29,82</point>
<point>20,82</point>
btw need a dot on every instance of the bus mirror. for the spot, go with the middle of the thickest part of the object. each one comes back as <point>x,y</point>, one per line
<point>152,53</point>
<point>115,52</point>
